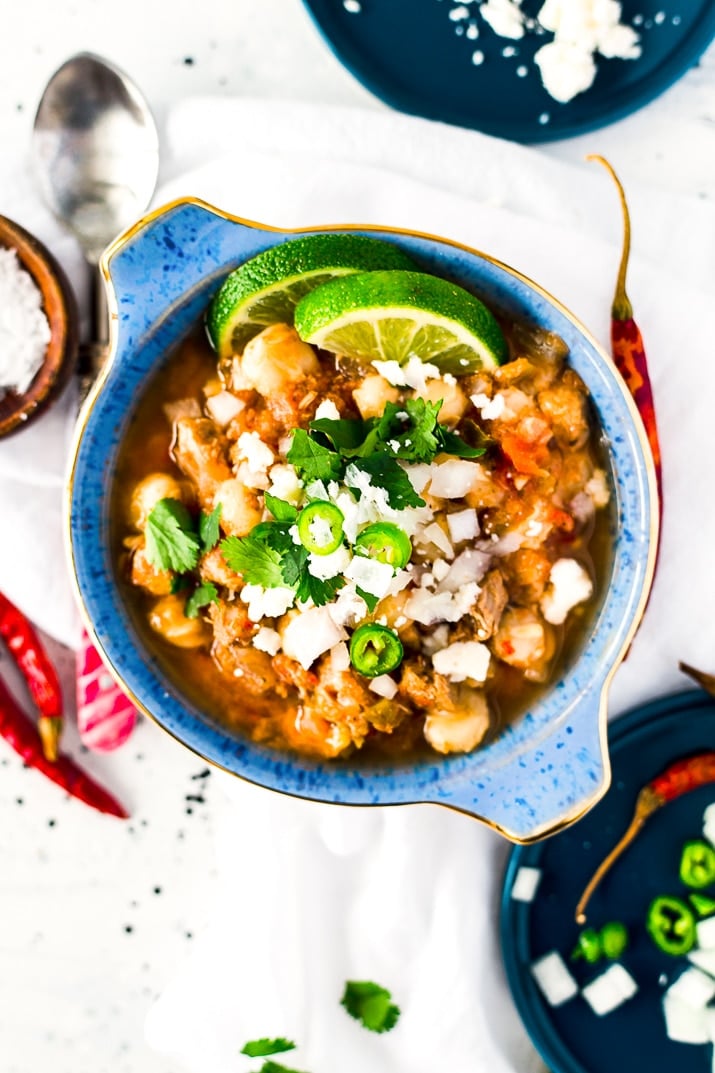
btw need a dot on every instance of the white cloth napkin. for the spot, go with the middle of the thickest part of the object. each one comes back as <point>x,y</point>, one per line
<point>314,895</point>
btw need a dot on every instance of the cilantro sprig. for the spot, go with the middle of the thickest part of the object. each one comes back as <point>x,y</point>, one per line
<point>370,1004</point>
<point>171,542</point>
<point>204,594</point>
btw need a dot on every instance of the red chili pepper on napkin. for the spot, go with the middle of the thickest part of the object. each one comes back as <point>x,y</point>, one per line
<point>19,732</point>
<point>627,343</point>
<point>28,652</point>
<point>679,778</point>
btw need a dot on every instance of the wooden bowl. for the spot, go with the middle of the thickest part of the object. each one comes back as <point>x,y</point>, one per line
<point>60,308</point>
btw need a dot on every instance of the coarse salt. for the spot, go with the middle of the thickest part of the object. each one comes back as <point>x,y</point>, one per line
<point>24,328</point>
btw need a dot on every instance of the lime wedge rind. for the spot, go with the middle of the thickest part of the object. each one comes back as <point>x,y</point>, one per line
<point>266,289</point>
<point>395,315</point>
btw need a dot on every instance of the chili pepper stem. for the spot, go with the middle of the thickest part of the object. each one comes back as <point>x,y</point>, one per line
<point>621,308</point>
<point>50,731</point>
<point>706,681</point>
<point>648,802</point>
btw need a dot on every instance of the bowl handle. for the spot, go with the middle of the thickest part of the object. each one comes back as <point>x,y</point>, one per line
<point>546,786</point>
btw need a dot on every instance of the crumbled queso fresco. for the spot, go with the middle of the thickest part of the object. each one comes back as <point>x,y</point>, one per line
<point>581,30</point>
<point>24,328</point>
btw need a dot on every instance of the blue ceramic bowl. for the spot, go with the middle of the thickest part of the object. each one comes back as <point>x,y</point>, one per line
<point>546,769</point>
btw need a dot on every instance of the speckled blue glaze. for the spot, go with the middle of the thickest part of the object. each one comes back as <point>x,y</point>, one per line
<point>542,771</point>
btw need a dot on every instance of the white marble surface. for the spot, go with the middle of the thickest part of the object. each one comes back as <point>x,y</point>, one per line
<point>94,914</point>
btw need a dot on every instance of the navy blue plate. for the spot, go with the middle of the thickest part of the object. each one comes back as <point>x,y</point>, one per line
<point>412,55</point>
<point>571,1038</point>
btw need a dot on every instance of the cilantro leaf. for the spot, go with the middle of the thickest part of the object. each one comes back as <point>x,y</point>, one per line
<point>171,543</point>
<point>281,511</point>
<point>179,583</point>
<point>209,528</point>
<point>413,437</point>
<point>452,444</point>
<point>313,461</point>
<point>203,595</point>
<point>371,600</point>
<point>386,472</point>
<point>251,557</point>
<point>258,1048</point>
<point>319,591</point>
<point>294,563</point>
<point>371,1005</point>
<point>345,435</point>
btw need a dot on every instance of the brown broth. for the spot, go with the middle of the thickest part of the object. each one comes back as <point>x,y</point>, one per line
<point>146,449</point>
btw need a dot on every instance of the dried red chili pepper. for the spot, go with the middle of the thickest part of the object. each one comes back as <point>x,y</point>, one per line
<point>27,650</point>
<point>679,778</point>
<point>627,343</point>
<point>19,732</point>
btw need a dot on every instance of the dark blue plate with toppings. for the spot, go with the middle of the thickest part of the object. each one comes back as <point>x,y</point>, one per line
<point>417,56</point>
<point>571,1037</point>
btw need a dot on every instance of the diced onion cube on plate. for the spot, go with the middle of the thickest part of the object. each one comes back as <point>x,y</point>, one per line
<point>683,1023</point>
<point>554,979</point>
<point>706,934</point>
<point>709,824</point>
<point>693,988</point>
<point>704,959</point>
<point>525,885</point>
<point>384,686</point>
<point>610,990</point>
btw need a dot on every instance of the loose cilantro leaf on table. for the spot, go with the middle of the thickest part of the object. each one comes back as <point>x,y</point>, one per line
<point>281,511</point>
<point>251,557</point>
<point>258,1048</point>
<point>203,595</point>
<point>209,531</point>
<point>371,1005</point>
<point>386,472</point>
<point>171,543</point>
<point>313,461</point>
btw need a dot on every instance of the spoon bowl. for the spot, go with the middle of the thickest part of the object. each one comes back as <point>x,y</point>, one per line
<point>96,151</point>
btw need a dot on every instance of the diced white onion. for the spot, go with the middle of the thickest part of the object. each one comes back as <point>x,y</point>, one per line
<point>349,608</point>
<point>309,634</point>
<point>453,479</point>
<point>610,990</point>
<point>223,407</point>
<point>463,525</point>
<point>285,483</point>
<point>706,934</point>
<point>693,988</point>
<point>419,474</point>
<point>340,657</point>
<point>329,410</point>
<point>526,883</point>
<point>704,959</point>
<point>709,824</point>
<point>684,1024</point>
<point>327,566</point>
<point>554,979</point>
<point>370,575</point>
<point>469,566</point>
<point>384,686</point>
<point>435,534</point>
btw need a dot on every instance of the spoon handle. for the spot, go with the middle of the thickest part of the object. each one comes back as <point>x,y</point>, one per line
<point>93,353</point>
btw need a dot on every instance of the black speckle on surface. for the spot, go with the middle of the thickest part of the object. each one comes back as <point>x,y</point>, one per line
<point>83,749</point>
<point>19,800</point>
<point>202,774</point>
<point>189,812</point>
<point>157,890</point>
<point>189,934</point>
<point>20,106</point>
<point>52,823</point>
<point>139,756</point>
<point>189,61</point>
<point>180,835</point>
<point>198,798</point>
<point>128,928</point>
<point>143,823</point>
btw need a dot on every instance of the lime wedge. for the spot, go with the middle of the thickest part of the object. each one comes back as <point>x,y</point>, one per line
<point>266,289</point>
<point>398,315</point>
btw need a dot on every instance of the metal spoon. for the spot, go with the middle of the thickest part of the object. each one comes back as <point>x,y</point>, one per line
<point>96,154</point>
